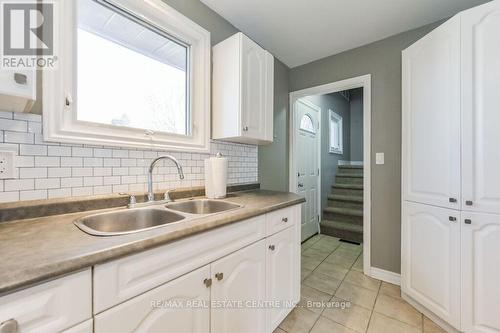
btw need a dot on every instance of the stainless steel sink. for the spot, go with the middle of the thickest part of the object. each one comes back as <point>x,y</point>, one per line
<point>202,206</point>
<point>126,221</point>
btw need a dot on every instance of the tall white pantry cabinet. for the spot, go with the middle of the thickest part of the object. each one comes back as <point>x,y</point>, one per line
<point>451,172</point>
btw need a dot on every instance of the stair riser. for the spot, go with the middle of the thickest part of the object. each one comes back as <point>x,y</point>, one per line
<point>348,180</point>
<point>343,234</point>
<point>343,218</point>
<point>351,171</point>
<point>344,204</point>
<point>347,191</point>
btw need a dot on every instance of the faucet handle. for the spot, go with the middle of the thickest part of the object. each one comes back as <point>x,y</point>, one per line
<point>132,201</point>
<point>166,196</point>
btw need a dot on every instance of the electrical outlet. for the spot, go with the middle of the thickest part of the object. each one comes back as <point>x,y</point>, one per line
<point>7,168</point>
<point>379,158</point>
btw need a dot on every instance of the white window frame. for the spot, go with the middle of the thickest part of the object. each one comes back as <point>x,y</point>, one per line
<point>335,118</point>
<point>59,95</point>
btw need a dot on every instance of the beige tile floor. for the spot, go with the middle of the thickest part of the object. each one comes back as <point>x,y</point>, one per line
<point>337,297</point>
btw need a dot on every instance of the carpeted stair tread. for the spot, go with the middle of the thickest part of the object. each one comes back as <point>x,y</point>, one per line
<point>339,197</point>
<point>344,211</point>
<point>350,175</point>
<point>350,167</point>
<point>343,225</point>
<point>349,186</point>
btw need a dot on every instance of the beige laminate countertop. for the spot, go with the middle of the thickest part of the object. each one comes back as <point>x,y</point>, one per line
<point>39,249</point>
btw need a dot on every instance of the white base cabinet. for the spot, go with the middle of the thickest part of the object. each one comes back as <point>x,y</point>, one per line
<point>431,259</point>
<point>480,272</point>
<point>181,305</point>
<point>239,287</point>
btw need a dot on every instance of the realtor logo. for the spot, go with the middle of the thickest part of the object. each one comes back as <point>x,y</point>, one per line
<point>28,34</point>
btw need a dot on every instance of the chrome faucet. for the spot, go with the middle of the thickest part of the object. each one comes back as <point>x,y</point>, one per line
<point>151,195</point>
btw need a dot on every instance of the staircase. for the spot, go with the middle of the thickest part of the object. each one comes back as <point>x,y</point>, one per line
<point>343,216</point>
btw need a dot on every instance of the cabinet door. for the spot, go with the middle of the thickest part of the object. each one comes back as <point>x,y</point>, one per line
<point>282,274</point>
<point>181,305</point>
<point>239,282</point>
<point>431,118</point>
<point>481,108</point>
<point>480,272</point>
<point>431,259</point>
<point>253,89</point>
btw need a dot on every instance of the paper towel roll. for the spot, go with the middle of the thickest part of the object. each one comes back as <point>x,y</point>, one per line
<point>216,177</point>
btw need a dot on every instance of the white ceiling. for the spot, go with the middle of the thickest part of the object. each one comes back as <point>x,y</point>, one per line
<point>300,31</point>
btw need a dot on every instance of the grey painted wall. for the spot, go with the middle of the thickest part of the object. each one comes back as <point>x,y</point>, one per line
<point>329,162</point>
<point>273,159</point>
<point>356,124</point>
<point>382,60</point>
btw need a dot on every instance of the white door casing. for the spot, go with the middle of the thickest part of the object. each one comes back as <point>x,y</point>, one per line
<point>431,259</point>
<point>481,112</point>
<point>480,272</point>
<point>243,279</point>
<point>308,155</point>
<point>431,118</point>
<point>151,312</point>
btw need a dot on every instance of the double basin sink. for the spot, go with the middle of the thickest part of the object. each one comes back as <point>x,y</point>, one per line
<point>126,221</point>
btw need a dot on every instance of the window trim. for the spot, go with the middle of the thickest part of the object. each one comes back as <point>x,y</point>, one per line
<point>335,118</point>
<point>59,119</point>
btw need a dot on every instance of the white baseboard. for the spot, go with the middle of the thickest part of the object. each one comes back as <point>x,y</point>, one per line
<point>385,276</point>
<point>438,321</point>
<point>350,162</point>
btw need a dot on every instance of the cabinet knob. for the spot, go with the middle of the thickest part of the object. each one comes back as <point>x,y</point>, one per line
<point>452,200</point>
<point>272,247</point>
<point>20,79</point>
<point>245,128</point>
<point>207,282</point>
<point>452,218</point>
<point>219,276</point>
<point>469,203</point>
<point>284,220</point>
<point>9,326</point>
<point>468,221</point>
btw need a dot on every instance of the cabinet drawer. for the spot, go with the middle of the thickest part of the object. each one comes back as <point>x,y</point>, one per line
<point>85,327</point>
<point>280,220</point>
<point>122,279</point>
<point>50,307</point>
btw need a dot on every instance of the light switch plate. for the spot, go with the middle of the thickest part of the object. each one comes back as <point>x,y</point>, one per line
<point>7,167</point>
<point>379,158</point>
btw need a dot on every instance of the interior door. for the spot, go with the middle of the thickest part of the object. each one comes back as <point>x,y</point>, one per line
<point>431,259</point>
<point>480,272</point>
<point>306,156</point>
<point>431,118</point>
<point>481,108</point>
<point>177,306</point>
<point>282,280</point>
<point>254,98</point>
<point>239,282</point>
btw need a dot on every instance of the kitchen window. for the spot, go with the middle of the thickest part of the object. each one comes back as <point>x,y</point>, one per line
<point>132,73</point>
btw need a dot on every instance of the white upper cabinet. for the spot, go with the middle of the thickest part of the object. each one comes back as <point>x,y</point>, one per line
<point>431,118</point>
<point>242,91</point>
<point>481,108</point>
<point>431,259</point>
<point>480,272</point>
<point>17,90</point>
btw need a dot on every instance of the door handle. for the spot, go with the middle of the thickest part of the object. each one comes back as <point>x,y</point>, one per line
<point>272,247</point>
<point>207,282</point>
<point>219,276</point>
<point>300,185</point>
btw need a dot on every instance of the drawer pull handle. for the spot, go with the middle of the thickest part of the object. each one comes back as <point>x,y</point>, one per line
<point>272,247</point>
<point>207,282</point>
<point>469,203</point>
<point>219,276</point>
<point>21,79</point>
<point>9,326</point>
<point>452,219</point>
<point>284,220</point>
<point>452,200</point>
<point>467,221</point>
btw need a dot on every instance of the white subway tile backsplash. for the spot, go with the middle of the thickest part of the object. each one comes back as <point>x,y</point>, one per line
<point>46,183</point>
<point>54,170</point>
